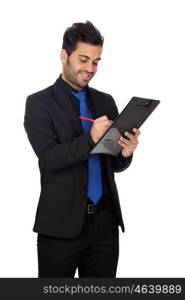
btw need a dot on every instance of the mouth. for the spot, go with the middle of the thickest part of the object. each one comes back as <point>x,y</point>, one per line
<point>85,76</point>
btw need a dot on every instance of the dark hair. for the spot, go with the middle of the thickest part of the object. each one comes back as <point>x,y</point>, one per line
<point>81,32</point>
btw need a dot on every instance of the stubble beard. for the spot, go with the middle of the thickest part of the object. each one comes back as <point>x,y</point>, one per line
<point>72,76</point>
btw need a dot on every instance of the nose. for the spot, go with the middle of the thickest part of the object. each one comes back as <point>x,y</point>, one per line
<point>90,67</point>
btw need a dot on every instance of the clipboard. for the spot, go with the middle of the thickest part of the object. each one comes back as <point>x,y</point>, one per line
<point>133,116</point>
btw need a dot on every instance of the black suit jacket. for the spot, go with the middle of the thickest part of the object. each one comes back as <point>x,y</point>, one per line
<point>55,133</point>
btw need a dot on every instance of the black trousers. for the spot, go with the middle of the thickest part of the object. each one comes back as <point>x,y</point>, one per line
<point>94,252</point>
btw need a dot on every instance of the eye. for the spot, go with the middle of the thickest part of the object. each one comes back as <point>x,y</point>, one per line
<point>95,63</point>
<point>84,61</point>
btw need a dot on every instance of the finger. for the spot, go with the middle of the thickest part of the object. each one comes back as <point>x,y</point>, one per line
<point>103,126</point>
<point>130,143</point>
<point>130,135</point>
<point>125,146</point>
<point>128,146</point>
<point>102,118</point>
<point>136,132</point>
<point>103,121</point>
<point>124,140</point>
<point>122,144</point>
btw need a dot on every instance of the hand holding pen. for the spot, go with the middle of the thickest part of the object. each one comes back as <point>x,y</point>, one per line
<point>100,126</point>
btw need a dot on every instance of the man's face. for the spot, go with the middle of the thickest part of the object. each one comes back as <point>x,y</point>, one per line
<point>80,67</point>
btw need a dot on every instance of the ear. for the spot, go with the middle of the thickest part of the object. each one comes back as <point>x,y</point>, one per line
<point>63,56</point>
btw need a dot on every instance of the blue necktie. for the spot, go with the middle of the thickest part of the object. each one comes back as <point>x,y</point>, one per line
<point>94,169</point>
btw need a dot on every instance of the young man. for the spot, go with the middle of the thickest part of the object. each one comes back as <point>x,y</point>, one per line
<point>78,212</point>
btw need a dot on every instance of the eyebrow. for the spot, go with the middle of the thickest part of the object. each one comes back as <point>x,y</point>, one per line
<point>85,56</point>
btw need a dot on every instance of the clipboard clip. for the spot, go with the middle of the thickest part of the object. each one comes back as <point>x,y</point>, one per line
<point>143,102</point>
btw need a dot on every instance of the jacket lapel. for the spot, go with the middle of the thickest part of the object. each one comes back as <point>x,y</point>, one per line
<point>99,108</point>
<point>63,100</point>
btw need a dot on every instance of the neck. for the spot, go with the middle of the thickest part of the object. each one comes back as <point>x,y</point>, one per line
<point>72,85</point>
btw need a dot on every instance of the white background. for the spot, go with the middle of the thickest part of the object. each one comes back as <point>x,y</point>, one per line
<point>144,55</point>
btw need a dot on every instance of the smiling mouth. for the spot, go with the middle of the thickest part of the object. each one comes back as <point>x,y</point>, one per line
<point>85,76</point>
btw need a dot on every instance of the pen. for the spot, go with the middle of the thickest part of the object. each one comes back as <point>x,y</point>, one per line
<point>87,119</point>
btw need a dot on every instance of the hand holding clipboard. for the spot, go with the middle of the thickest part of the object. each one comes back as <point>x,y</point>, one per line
<point>132,116</point>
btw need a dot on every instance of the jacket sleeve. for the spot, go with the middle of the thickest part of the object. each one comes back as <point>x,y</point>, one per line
<point>52,153</point>
<point>119,162</point>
